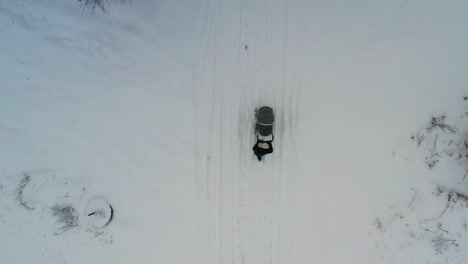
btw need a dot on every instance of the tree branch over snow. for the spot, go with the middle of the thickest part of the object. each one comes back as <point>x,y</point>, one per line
<point>439,122</point>
<point>103,5</point>
<point>92,5</point>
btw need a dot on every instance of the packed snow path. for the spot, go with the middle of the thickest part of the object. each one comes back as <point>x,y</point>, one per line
<point>247,207</point>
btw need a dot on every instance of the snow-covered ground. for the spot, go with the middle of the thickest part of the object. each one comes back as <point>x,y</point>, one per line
<point>126,137</point>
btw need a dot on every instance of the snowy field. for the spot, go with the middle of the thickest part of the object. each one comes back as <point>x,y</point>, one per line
<point>126,137</point>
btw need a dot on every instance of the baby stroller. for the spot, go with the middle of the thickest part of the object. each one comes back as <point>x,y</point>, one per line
<point>264,127</point>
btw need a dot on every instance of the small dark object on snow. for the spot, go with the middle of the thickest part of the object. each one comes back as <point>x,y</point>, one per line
<point>99,213</point>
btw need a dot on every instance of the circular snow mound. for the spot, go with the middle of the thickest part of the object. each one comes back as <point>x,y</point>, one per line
<point>98,212</point>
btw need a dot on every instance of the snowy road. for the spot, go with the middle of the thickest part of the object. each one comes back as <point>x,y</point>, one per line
<point>246,208</point>
<point>126,137</point>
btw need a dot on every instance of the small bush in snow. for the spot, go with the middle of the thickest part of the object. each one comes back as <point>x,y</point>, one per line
<point>103,5</point>
<point>67,216</point>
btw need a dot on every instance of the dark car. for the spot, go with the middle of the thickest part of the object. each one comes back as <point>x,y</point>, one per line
<point>265,120</point>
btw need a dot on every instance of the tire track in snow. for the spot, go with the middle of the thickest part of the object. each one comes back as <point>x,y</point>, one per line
<point>261,72</point>
<point>249,192</point>
<point>283,76</point>
<point>215,97</point>
<point>294,78</point>
<point>202,147</point>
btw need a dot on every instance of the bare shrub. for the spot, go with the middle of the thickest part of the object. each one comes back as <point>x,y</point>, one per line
<point>67,216</point>
<point>439,122</point>
<point>103,5</point>
<point>378,225</point>
<point>442,244</point>
<point>458,197</point>
<point>419,138</point>
<point>441,140</point>
<point>439,190</point>
<point>452,198</point>
<point>19,191</point>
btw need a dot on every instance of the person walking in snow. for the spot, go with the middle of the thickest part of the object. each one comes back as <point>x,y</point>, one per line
<point>263,147</point>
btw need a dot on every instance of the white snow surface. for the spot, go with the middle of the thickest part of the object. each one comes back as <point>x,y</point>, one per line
<point>150,108</point>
